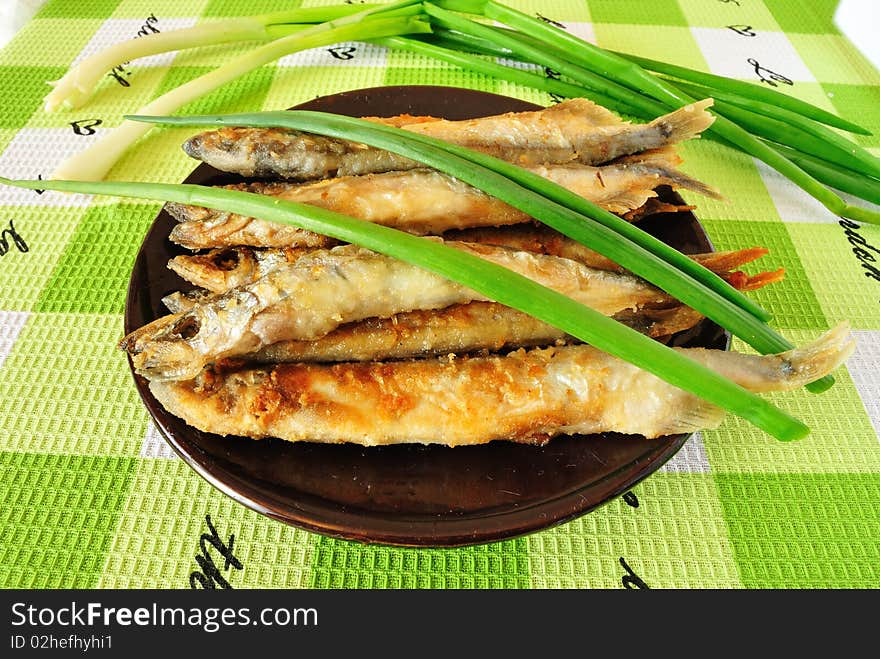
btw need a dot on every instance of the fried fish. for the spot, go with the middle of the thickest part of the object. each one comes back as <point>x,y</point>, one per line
<point>324,289</point>
<point>525,396</point>
<point>424,201</point>
<point>576,130</point>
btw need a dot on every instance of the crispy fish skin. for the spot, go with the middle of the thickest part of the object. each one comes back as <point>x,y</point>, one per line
<point>525,396</point>
<point>576,130</point>
<point>327,288</point>
<point>398,199</point>
<point>459,329</point>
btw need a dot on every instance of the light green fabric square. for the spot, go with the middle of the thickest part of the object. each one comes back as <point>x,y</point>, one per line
<point>56,533</point>
<point>816,16</point>
<point>841,438</point>
<point>235,8</point>
<point>27,86</point>
<point>158,156</point>
<point>158,8</point>
<point>448,77</point>
<point>836,272</point>
<point>636,12</point>
<point>244,94</point>
<point>57,40</point>
<point>66,9</point>
<point>161,523</point>
<point>665,43</point>
<point>575,11</point>
<point>6,135</point>
<point>676,538</point>
<point>46,230</point>
<point>833,58</point>
<point>292,86</point>
<point>67,389</point>
<point>804,530</point>
<point>700,13</point>
<point>857,103</point>
<point>734,175</point>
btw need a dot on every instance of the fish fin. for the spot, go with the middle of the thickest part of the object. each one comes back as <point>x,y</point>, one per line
<point>686,122</point>
<point>662,162</point>
<point>699,416</point>
<point>730,260</point>
<point>180,302</point>
<point>586,110</point>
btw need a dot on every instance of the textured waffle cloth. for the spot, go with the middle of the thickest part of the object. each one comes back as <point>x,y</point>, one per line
<point>90,495</point>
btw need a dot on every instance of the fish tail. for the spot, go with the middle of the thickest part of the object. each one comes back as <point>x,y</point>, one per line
<point>686,122</point>
<point>817,359</point>
<point>662,162</point>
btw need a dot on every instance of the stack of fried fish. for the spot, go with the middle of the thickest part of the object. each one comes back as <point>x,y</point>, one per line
<point>290,334</point>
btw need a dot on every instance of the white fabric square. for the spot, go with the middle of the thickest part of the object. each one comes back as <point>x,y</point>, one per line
<point>864,369</point>
<point>155,446</point>
<point>690,458</point>
<point>117,30</point>
<point>728,53</point>
<point>795,205</point>
<point>792,203</point>
<point>35,153</point>
<point>11,324</point>
<point>348,53</point>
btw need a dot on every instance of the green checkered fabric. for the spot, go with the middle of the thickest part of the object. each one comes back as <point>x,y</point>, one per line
<point>90,496</point>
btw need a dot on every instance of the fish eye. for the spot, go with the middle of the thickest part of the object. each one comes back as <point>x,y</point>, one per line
<point>187,327</point>
<point>226,260</point>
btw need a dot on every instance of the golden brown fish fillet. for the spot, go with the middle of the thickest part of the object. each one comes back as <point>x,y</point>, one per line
<point>525,396</point>
<point>424,201</point>
<point>327,288</point>
<point>576,130</point>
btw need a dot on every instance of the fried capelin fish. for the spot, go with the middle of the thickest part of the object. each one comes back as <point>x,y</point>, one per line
<point>398,199</point>
<point>576,130</point>
<point>324,289</point>
<point>525,396</point>
<point>220,270</point>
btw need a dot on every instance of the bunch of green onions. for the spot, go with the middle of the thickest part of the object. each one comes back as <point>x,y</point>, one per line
<point>789,135</point>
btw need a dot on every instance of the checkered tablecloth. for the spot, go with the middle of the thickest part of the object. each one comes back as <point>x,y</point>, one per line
<point>90,495</point>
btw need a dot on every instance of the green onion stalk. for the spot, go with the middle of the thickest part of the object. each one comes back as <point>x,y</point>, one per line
<point>714,83</point>
<point>78,84</point>
<point>491,280</point>
<point>494,176</point>
<point>402,17</point>
<point>845,180</point>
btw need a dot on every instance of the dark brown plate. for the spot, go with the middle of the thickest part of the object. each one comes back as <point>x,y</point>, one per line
<point>410,495</point>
